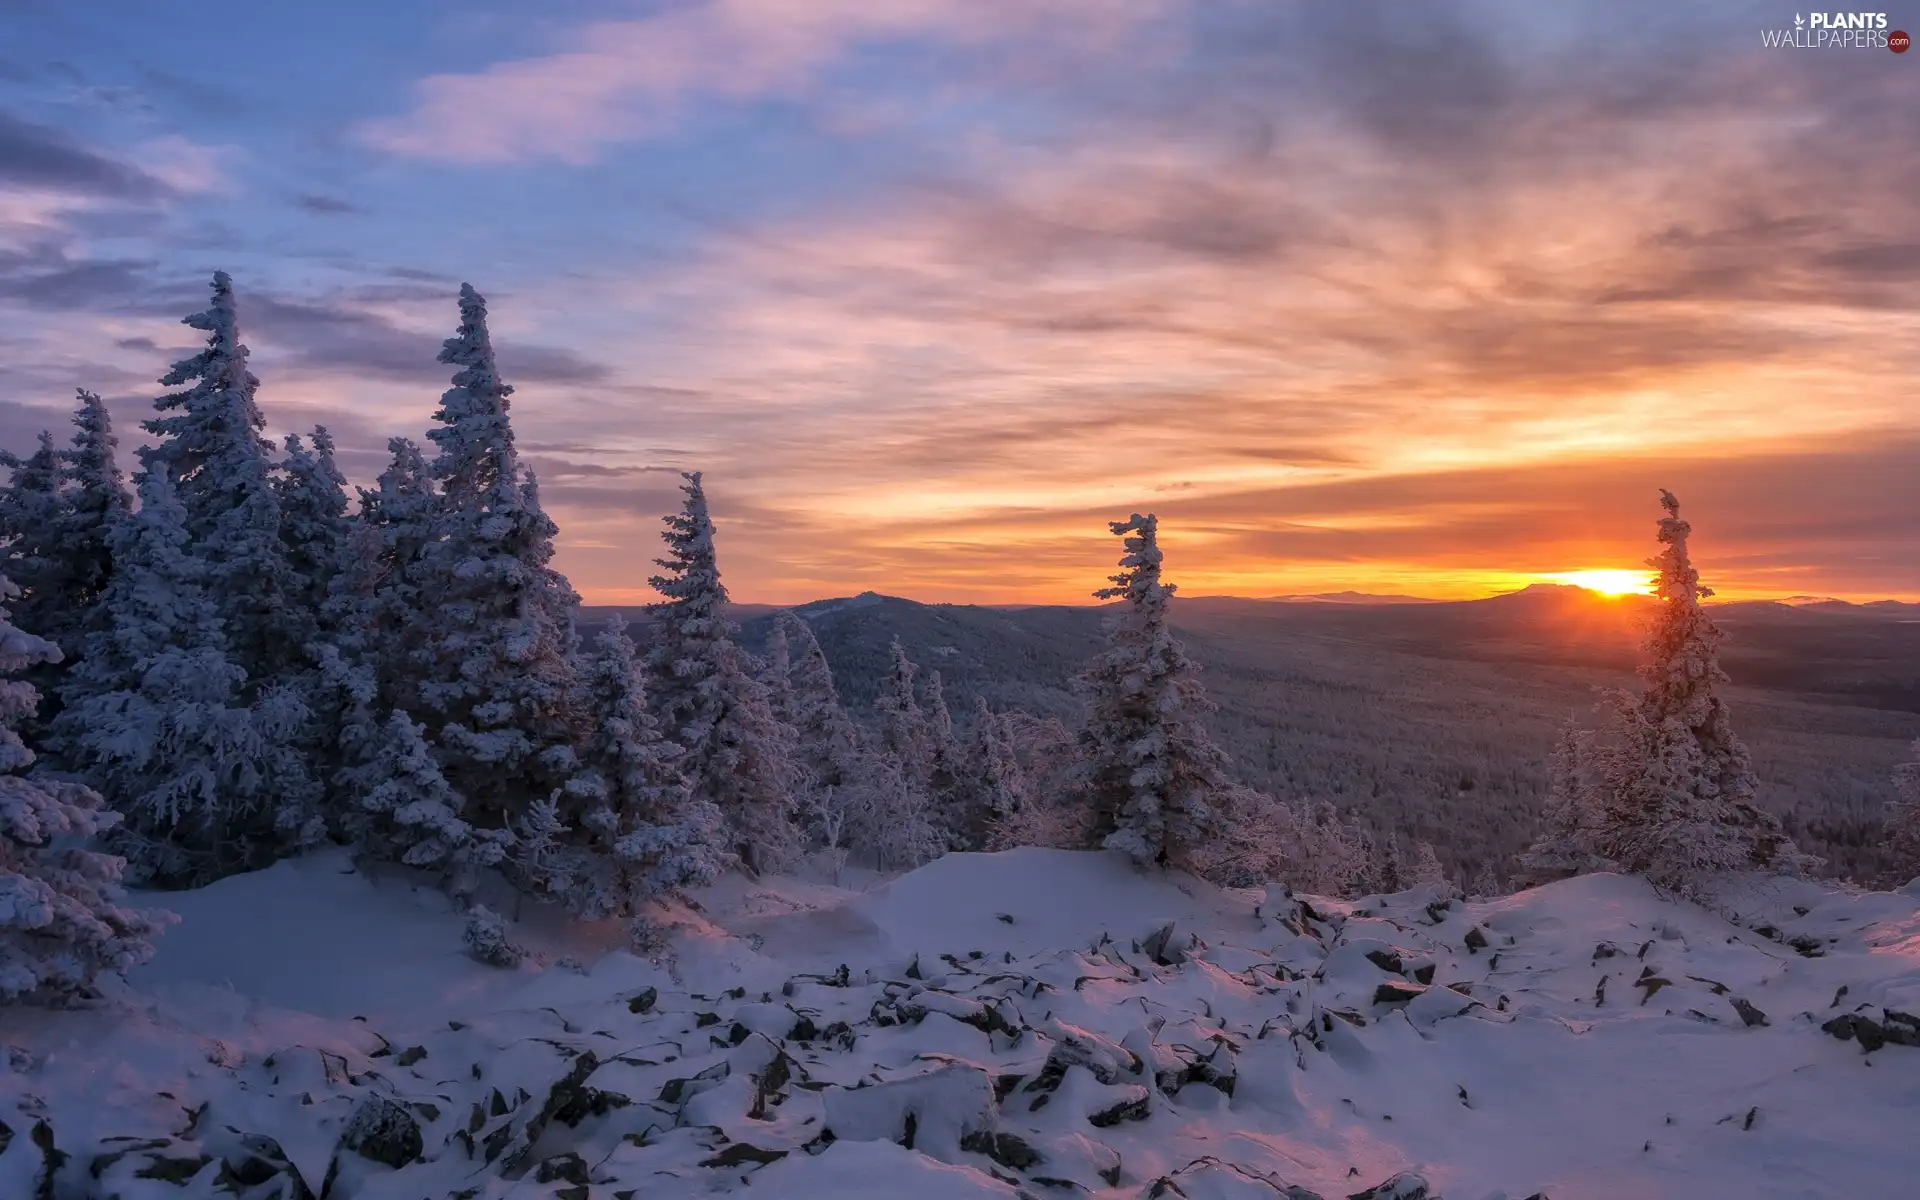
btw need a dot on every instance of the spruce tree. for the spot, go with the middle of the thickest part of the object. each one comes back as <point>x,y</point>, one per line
<point>1678,785</point>
<point>750,769</point>
<point>32,509</point>
<point>776,672</point>
<point>384,585</point>
<point>893,815</point>
<point>96,497</point>
<point>156,715</point>
<point>1572,821</point>
<point>61,923</point>
<point>410,815</point>
<point>492,640</point>
<point>994,788</point>
<point>221,468</point>
<point>1153,777</point>
<point>904,732</point>
<point>692,637</point>
<point>829,742</point>
<point>1425,867</point>
<point>1904,818</point>
<point>314,526</point>
<point>640,830</point>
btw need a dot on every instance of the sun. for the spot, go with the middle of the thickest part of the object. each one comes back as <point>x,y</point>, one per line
<point>1609,582</point>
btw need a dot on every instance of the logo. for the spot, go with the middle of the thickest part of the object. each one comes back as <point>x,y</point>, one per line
<point>1837,31</point>
<point>1844,20</point>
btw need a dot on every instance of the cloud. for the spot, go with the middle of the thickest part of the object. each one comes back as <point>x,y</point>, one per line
<point>326,206</point>
<point>621,80</point>
<point>1375,295</point>
<point>38,157</point>
<point>44,276</point>
<point>337,339</point>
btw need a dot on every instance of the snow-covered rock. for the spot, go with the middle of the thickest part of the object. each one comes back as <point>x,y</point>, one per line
<point>1589,1042</point>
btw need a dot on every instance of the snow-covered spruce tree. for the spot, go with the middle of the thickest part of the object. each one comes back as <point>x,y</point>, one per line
<point>994,788</point>
<point>1486,884</point>
<point>31,508</point>
<point>345,699</point>
<point>1363,866</point>
<point>492,640</point>
<point>209,781</point>
<point>211,449</point>
<point>314,525</point>
<point>692,636</point>
<point>1903,821</point>
<point>639,830</point>
<point>903,723</point>
<point>946,774</point>
<point>96,496</point>
<point>1573,819</point>
<point>1151,775</point>
<point>894,821</point>
<point>410,815</point>
<point>776,672</point>
<point>1259,839</point>
<point>739,754</point>
<point>1335,853</point>
<point>318,539</point>
<point>1424,867</point>
<point>750,769</point>
<point>829,743</point>
<point>61,923</point>
<point>1678,786</point>
<point>380,596</point>
<point>1048,756</point>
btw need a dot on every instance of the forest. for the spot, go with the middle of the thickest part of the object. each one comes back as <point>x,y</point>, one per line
<point>230,663</point>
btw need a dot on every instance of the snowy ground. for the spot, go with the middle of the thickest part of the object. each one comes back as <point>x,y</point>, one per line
<point>990,1026</point>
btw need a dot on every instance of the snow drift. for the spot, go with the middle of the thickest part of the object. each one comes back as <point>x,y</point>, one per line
<point>1027,1023</point>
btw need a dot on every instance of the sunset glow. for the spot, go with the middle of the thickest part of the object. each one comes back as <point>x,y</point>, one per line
<point>1609,582</point>
<point>1422,304</point>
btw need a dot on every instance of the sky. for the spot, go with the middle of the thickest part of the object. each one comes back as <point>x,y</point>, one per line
<point>1415,298</point>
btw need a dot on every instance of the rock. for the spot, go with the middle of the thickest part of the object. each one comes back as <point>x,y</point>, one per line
<point>1807,947</point>
<point>1009,1151</point>
<point>1897,1028</point>
<point>1405,1186</point>
<point>1748,1013</point>
<point>931,1113</point>
<point>1396,992</point>
<point>740,1154</point>
<point>1136,1106</point>
<point>1436,1004</point>
<point>1386,960</point>
<point>1476,940</point>
<point>679,1091</point>
<point>1164,947</point>
<point>1076,1047</point>
<point>568,1167</point>
<point>383,1132</point>
<point>1210,1177</point>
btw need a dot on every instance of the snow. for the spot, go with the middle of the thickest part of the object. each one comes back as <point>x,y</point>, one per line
<point>1033,1013</point>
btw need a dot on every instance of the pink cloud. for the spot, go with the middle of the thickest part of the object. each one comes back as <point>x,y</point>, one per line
<point>621,80</point>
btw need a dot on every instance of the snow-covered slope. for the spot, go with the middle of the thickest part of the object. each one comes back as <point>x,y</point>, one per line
<point>1030,1023</point>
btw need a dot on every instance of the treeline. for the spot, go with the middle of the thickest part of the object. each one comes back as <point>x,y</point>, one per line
<point>243,665</point>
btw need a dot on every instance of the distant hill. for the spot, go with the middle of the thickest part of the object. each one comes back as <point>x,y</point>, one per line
<point>1436,718</point>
